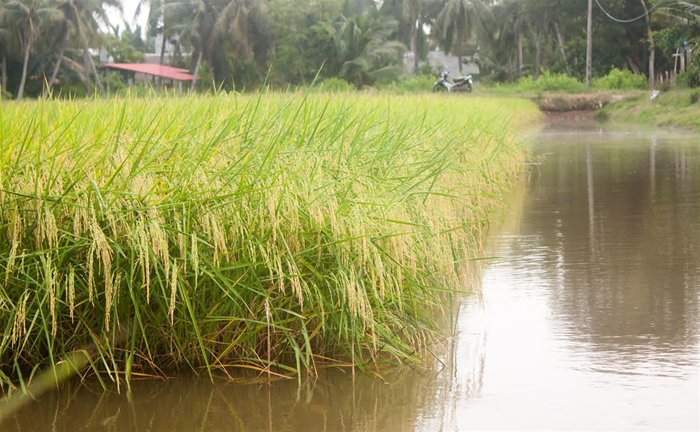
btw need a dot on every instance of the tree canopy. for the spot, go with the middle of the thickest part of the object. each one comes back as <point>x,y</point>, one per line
<point>245,43</point>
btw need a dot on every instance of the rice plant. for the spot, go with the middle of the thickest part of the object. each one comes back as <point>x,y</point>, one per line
<point>272,232</point>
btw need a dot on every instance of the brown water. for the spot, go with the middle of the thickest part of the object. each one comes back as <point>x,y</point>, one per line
<point>589,319</point>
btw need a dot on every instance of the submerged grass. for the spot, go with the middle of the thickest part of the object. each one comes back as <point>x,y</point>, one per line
<point>268,232</point>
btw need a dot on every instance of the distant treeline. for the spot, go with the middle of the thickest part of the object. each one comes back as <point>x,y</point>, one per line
<point>51,44</point>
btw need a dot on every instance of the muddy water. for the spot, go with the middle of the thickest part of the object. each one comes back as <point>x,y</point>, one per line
<point>589,319</point>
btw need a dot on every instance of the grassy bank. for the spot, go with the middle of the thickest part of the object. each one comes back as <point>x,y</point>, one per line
<point>269,232</point>
<point>675,108</point>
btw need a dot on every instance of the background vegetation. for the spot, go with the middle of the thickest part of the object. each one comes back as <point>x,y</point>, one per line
<point>242,43</point>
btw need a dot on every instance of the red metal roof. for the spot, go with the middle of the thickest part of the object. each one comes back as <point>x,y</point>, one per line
<point>158,70</point>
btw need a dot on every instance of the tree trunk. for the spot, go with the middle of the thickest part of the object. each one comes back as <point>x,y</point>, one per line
<point>196,69</point>
<point>57,66</point>
<point>162,51</point>
<point>27,47</point>
<point>80,70</point>
<point>162,47</point>
<point>3,73</point>
<point>652,50</point>
<point>562,52</point>
<point>459,57</point>
<point>538,53</point>
<point>161,60</point>
<point>519,55</point>
<point>90,66</point>
<point>510,68</point>
<point>589,44</point>
<point>632,64</point>
<point>98,81</point>
<point>87,69</point>
<point>414,45</point>
<point>652,59</point>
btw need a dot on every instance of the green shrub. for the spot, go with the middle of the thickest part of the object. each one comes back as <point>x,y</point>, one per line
<point>551,82</point>
<point>116,83</point>
<point>70,90</point>
<point>336,85</point>
<point>664,86</point>
<point>205,81</point>
<point>621,79</point>
<point>691,77</point>
<point>427,69</point>
<point>414,84</point>
<point>694,97</point>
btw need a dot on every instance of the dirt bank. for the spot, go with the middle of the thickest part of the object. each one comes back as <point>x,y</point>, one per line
<point>589,102</point>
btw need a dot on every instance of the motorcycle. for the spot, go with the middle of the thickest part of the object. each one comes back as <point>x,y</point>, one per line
<point>463,83</point>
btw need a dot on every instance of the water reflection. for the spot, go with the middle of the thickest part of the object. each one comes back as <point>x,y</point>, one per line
<point>332,403</point>
<point>593,312</point>
<point>590,320</point>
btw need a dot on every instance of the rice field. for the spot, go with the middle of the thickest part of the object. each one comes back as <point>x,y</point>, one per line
<point>272,232</point>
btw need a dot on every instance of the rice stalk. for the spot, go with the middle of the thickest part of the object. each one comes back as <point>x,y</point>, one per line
<point>267,232</point>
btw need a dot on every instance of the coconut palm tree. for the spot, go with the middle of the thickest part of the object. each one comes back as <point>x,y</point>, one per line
<point>409,14</point>
<point>244,31</point>
<point>681,10</point>
<point>87,16</point>
<point>458,23</point>
<point>25,18</point>
<point>222,33</point>
<point>62,32</point>
<point>537,15</point>
<point>158,23</point>
<point>7,42</point>
<point>193,21</point>
<point>365,49</point>
<point>513,26</point>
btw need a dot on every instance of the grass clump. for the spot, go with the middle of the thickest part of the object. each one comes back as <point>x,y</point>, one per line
<point>691,77</point>
<point>547,83</point>
<point>412,84</point>
<point>335,85</point>
<point>677,108</point>
<point>551,82</point>
<point>268,232</point>
<point>621,79</point>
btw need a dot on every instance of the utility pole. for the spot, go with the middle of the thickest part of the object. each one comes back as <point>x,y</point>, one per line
<point>589,44</point>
